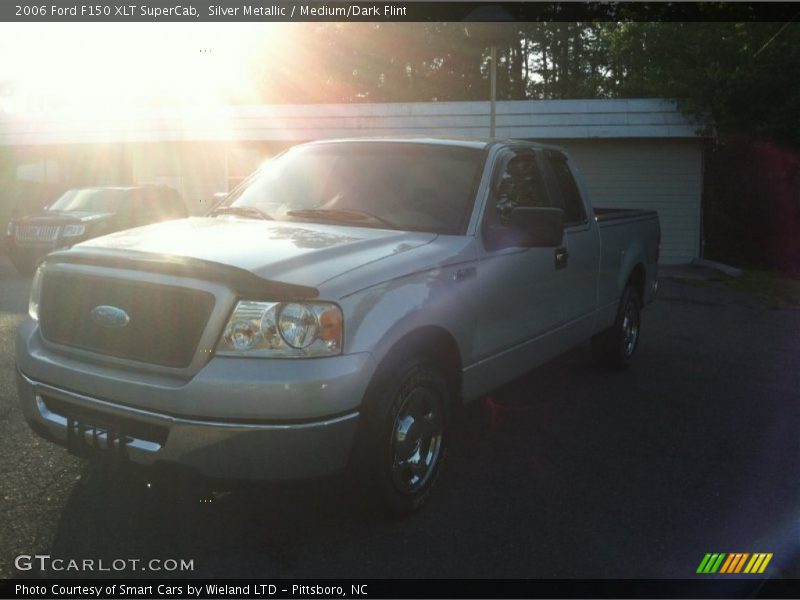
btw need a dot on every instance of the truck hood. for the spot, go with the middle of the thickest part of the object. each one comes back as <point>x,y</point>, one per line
<point>305,254</point>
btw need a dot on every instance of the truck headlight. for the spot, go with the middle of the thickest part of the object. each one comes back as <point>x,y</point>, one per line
<point>36,293</point>
<point>10,228</point>
<point>73,230</point>
<point>283,330</point>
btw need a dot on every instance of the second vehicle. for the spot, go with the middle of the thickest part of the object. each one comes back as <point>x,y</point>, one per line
<point>83,213</point>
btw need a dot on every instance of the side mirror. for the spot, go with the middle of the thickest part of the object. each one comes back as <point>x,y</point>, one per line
<point>536,227</point>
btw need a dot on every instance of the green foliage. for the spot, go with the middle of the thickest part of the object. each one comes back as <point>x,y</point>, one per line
<point>744,75</point>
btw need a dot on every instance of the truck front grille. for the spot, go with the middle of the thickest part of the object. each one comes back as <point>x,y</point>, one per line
<point>163,327</point>
<point>36,233</point>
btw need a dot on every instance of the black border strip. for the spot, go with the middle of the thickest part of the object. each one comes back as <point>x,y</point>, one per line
<point>377,11</point>
<point>701,587</point>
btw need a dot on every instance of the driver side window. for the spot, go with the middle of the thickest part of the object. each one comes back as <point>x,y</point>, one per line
<point>518,183</point>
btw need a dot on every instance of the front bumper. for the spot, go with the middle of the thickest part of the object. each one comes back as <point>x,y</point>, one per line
<point>214,449</point>
<point>236,418</point>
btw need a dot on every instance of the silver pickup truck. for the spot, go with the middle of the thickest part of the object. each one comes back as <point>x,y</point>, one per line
<point>329,314</point>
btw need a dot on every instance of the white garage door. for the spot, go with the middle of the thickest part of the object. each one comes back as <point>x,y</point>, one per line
<point>658,174</point>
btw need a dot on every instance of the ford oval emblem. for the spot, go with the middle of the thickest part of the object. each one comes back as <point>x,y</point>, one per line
<point>109,316</point>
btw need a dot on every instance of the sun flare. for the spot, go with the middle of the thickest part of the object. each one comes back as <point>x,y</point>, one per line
<point>94,66</point>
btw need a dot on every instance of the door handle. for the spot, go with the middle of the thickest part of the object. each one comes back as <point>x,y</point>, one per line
<point>562,258</point>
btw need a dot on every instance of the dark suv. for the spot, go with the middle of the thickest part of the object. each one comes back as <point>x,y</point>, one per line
<point>84,213</point>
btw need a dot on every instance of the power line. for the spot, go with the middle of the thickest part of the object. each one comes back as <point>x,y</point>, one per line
<point>777,33</point>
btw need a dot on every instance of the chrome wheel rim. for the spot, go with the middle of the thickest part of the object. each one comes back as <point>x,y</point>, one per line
<point>416,440</point>
<point>630,327</point>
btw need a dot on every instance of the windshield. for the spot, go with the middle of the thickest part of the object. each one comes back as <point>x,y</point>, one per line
<point>90,200</point>
<point>406,186</point>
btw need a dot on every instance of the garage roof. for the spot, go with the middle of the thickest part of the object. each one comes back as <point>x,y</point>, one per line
<point>540,119</point>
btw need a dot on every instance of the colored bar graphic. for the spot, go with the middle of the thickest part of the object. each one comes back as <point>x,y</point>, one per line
<point>735,562</point>
<point>732,558</point>
<point>741,562</point>
<point>704,563</point>
<point>766,562</point>
<point>758,563</point>
<point>717,564</point>
<point>711,563</point>
<point>732,563</point>
<point>702,567</point>
<point>755,563</point>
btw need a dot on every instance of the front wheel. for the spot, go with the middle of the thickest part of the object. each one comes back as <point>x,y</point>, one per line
<point>402,440</point>
<point>614,347</point>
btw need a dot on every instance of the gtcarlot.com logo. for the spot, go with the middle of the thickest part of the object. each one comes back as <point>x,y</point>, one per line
<point>734,563</point>
<point>45,562</point>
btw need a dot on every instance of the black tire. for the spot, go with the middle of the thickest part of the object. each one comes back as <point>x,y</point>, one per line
<point>402,439</point>
<point>614,348</point>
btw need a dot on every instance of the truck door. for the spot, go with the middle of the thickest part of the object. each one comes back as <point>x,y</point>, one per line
<point>520,287</point>
<point>581,246</point>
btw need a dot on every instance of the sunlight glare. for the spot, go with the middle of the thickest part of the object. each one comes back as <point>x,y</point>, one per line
<point>95,66</point>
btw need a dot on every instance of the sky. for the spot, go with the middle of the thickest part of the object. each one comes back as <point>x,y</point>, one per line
<point>93,66</point>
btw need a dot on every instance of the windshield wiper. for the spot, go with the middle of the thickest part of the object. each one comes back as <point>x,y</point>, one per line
<point>245,211</point>
<point>340,215</point>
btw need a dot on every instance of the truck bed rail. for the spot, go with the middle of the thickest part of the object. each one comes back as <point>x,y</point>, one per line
<point>603,215</point>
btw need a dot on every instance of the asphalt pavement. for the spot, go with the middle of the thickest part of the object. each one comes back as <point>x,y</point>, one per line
<point>570,471</point>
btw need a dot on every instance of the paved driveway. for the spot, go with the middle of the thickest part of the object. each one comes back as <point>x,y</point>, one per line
<point>570,471</point>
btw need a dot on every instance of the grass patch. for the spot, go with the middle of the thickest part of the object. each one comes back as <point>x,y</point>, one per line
<point>778,290</point>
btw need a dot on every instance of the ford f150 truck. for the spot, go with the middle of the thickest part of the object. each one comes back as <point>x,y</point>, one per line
<point>330,313</point>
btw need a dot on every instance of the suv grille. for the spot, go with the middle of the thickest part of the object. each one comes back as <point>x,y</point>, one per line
<point>164,327</point>
<point>36,233</point>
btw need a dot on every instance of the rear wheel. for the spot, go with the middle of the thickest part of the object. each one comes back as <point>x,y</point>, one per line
<point>402,439</point>
<point>614,347</point>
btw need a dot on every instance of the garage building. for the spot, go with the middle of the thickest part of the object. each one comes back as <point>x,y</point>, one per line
<point>639,153</point>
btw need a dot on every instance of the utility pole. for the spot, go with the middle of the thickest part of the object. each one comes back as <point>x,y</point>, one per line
<point>490,29</point>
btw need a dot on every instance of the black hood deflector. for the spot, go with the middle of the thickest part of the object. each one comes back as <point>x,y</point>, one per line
<point>246,284</point>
